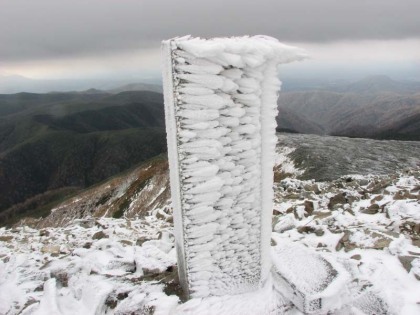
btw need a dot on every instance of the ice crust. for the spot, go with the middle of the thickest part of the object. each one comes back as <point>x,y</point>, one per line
<point>221,104</point>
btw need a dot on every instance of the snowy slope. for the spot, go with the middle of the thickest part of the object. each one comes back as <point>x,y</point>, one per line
<point>130,194</point>
<point>119,266</point>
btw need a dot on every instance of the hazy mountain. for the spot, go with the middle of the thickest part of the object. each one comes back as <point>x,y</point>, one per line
<point>11,84</point>
<point>376,107</point>
<point>289,121</point>
<point>49,142</point>
<point>138,87</point>
<point>380,83</point>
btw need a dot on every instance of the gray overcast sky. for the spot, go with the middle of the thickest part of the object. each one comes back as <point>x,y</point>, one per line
<point>72,38</point>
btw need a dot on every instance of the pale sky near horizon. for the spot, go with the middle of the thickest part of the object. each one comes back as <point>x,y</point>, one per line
<point>52,39</point>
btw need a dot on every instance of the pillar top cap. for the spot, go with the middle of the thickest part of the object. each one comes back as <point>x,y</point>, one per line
<point>260,45</point>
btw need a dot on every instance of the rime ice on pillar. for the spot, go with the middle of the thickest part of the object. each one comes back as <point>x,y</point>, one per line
<point>220,104</point>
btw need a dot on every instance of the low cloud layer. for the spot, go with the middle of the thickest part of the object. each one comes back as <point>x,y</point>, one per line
<point>51,29</point>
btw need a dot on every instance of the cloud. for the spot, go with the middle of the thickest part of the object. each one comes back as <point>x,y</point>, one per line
<point>53,30</point>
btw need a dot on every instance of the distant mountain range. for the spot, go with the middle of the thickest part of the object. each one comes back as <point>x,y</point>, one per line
<point>146,188</point>
<point>55,145</point>
<point>375,107</point>
<point>10,84</point>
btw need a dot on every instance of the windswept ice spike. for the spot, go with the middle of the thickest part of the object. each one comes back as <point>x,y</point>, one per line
<point>220,105</point>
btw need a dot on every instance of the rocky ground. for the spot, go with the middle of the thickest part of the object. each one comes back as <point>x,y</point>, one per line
<point>367,226</point>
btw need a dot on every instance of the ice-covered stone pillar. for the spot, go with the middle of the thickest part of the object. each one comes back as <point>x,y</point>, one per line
<point>220,104</point>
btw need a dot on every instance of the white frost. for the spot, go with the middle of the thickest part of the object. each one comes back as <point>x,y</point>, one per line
<point>221,104</point>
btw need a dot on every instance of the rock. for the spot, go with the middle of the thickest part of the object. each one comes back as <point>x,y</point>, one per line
<point>365,195</point>
<point>283,223</point>
<point>322,215</point>
<point>161,215</point>
<point>416,242</point>
<point>345,243</point>
<point>169,219</point>
<point>404,194</point>
<point>122,295</point>
<point>411,228</point>
<point>51,249</point>
<point>28,303</point>
<point>377,198</point>
<point>306,229</point>
<point>273,242</point>
<point>99,224</point>
<point>113,299</point>
<point>126,242</point>
<point>170,279</point>
<point>151,271</point>
<point>299,212</point>
<point>335,229</point>
<point>6,238</point>
<point>128,266</point>
<point>141,240</point>
<point>356,257</point>
<point>313,188</point>
<point>406,262</point>
<point>61,276</point>
<point>111,302</point>
<point>391,234</point>
<point>380,241</point>
<point>87,245</point>
<point>336,200</point>
<point>279,174</point>
<point>372,209</point>
<point>309,207</point>
<point>294,196</point>
<point>352,184</point>
<point>319,232</point>
<point>291,209</point>
<point>384,209</point>
<point>415,189</point>
<point>363,182</point>
<point>65,249</point>
<point>44,233</point>
<point>378,186</point>
<point>351,199</point>
<point>147,310</point>
<point>85,223</point>
<point>349,210</point>
<point>99,235</point>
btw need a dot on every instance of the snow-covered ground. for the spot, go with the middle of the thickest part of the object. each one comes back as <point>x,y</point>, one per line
<point>368,224</point>
<point>367,227</point>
